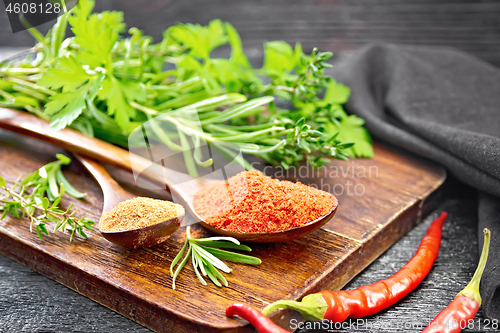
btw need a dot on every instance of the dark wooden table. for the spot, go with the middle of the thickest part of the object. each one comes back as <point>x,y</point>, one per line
<point>30,302</point>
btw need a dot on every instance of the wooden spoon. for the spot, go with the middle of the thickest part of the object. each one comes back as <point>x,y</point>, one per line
<point>30,125</point>
<point>71,140</point>
<point>113,195</point>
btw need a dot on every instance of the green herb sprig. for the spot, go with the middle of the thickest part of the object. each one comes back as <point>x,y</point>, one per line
<point>205,254</point>
<point>107,84</point>
<point>49,180</point>
<point>38,196</point>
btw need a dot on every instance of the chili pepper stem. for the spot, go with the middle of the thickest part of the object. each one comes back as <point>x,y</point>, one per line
<point>312,307</point>
<point>472,289</point>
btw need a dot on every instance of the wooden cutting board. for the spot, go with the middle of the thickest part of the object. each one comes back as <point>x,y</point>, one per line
<point>380,200</point>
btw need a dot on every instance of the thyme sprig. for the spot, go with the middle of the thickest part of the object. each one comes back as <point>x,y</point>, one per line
<point>38,196</point>
<point>205,254</point>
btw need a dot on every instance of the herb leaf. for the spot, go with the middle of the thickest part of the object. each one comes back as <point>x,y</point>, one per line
<point>236,257</point>
<point>39,192</point>
<point>96,36</point>
<point>199,39</point>
<point>67,73</point>
<point>206,257</point>
<point>115,91</point>
<point>64,108</point>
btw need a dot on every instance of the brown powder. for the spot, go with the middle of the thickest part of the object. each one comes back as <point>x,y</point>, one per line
<point>138,213</point>
<point>252,202</point>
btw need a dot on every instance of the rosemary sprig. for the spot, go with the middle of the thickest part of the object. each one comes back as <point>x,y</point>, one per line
<point>205,254</point>
<point>38,196</point>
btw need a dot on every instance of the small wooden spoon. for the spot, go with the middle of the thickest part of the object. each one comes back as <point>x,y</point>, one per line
<point>113,195</point>
<point>30,125</point>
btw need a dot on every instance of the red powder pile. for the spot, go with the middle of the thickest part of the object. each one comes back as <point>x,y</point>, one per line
<point>252,202</point>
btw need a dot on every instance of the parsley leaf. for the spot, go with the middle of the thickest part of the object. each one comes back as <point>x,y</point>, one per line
<point>114,19</point>
<point>67,73</point>
<point>350,129</point>
<point>84,8</point>
<point>280,57</point>
<point>117,93</point>
<point>96,37</point>
<point>336,93</point>
<point>237,52</point>
<point>66,107</point>
<point>199,39</point>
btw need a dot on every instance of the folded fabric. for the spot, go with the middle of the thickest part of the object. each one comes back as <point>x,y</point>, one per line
<point>441,104</point>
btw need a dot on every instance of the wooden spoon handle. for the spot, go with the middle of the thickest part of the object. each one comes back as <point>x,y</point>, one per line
<point>30,125</point>
<point>113,192</point>
<point>101,175</point>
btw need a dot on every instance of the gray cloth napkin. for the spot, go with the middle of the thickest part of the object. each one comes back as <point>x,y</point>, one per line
<point>441,104</point>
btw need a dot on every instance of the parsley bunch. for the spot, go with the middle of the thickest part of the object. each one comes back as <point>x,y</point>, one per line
<point>106,85</point>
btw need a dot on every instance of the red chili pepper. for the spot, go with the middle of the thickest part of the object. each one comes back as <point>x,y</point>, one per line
<point>367,300</point>
<point>261,323</point>
<point>464,307</point>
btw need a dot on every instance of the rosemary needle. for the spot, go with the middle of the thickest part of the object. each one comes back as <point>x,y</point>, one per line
<point>205,257</point>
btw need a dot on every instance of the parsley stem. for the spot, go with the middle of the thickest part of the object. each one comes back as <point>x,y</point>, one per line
<point>20,54</point>
<point>143,108</point>
<point>126,65</point>
<point>13,71</point>
<point>31,85</point>
<point>6,95</point>
<point>29,92</point>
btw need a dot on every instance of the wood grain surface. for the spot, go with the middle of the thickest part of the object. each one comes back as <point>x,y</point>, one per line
<point>388,203</point>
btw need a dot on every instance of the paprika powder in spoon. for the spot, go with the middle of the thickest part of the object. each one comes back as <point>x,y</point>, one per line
<point>252,202</point>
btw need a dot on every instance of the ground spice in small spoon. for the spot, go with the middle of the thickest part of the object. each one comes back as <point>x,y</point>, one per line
<point>137,213</point>
<point>252,202</point>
